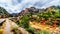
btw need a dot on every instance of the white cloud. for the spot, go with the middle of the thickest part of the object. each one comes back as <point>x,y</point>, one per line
<point>54,2</point>
<point>15,6</point>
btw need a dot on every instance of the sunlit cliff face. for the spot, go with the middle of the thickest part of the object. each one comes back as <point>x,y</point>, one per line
<point>15,6</point>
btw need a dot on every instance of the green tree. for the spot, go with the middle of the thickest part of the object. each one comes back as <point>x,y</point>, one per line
<point>24,22</point>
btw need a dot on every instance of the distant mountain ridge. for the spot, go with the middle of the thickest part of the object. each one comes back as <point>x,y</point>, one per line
<point>36,10</point>
<point>33,10</point>
<point>3,13</point>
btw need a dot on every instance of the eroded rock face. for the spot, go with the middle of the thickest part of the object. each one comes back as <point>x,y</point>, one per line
<point>9,27</point>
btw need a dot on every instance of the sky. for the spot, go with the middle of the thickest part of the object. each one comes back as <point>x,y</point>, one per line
<point>15,6</point>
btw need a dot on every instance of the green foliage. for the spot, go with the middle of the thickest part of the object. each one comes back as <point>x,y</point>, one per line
<point>43,32</point>
<point>30,30</point>
<point>47,14</point>
<point>3,11</point>
<point>58,7</point>
<point>53,13</point>
<point>24,22</point>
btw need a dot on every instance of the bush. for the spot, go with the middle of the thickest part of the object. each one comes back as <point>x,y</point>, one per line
<point>30,30</point>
